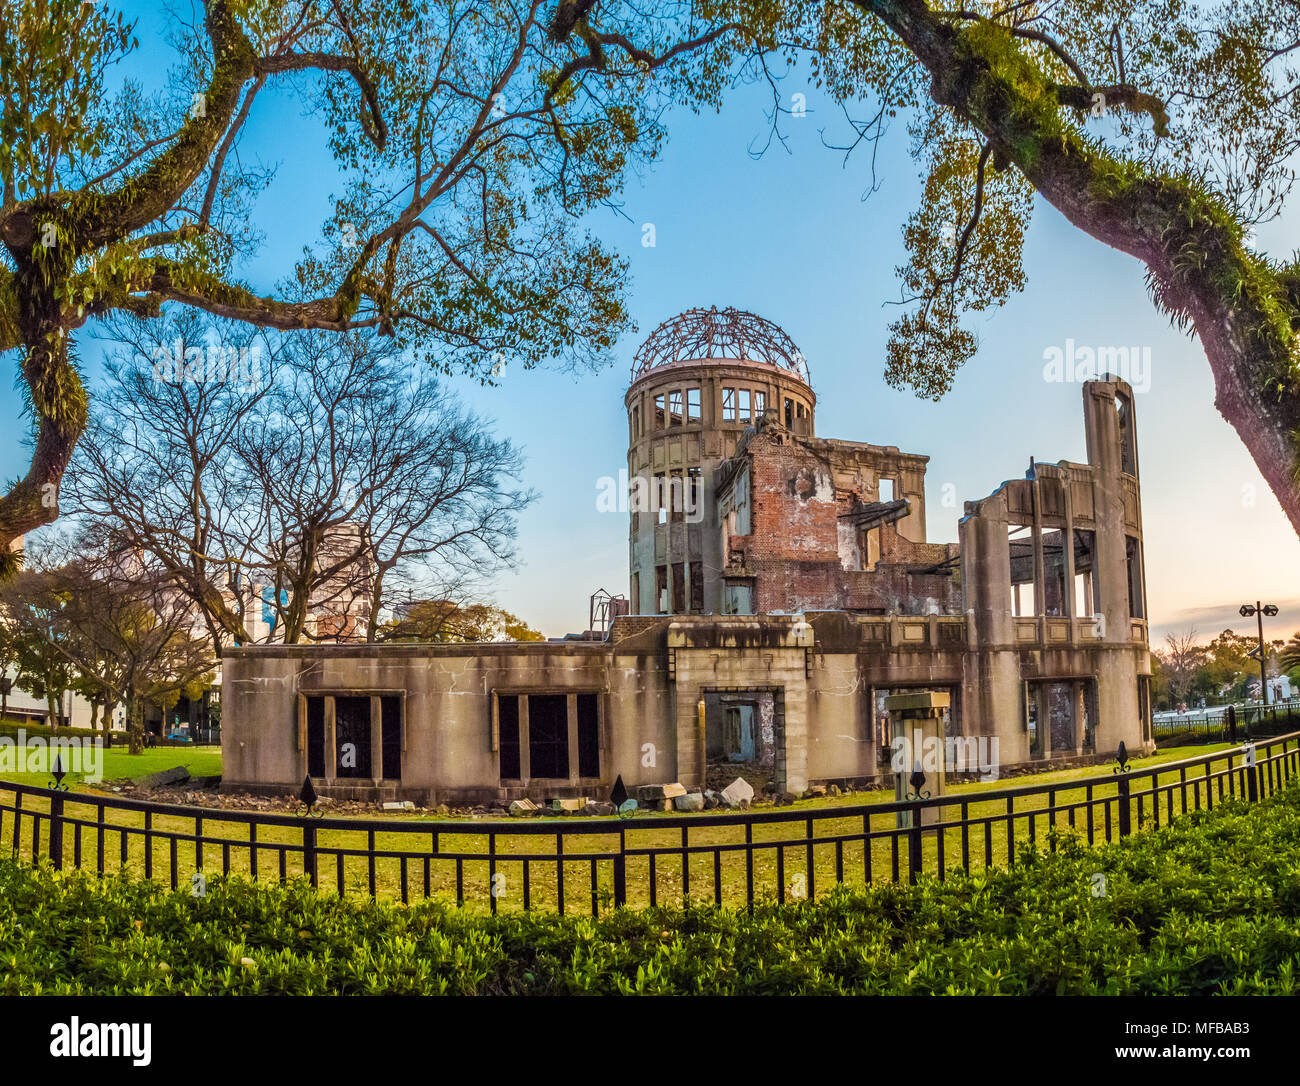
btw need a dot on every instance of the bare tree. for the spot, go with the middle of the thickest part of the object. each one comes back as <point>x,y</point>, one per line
<point>1181,658</point>
<point>340,473</point>
<point>118,624</point>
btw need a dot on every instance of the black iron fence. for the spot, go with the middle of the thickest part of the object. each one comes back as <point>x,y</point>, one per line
<point>584,864</point>
<point>1214,726</point>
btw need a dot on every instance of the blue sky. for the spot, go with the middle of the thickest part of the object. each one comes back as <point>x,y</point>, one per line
<point>790,237</point>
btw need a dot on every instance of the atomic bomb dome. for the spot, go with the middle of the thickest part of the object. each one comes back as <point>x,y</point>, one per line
<point>718,334</point>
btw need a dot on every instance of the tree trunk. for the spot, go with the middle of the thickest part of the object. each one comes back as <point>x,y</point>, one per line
<point>134,725</point>
<point>52,711</point>
<point>107,723</point>
<point>1239,307</point>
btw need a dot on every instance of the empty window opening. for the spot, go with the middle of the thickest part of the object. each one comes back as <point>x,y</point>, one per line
<point>1127,450</point>
<point>1086,604</point>
<point>588,736</point>
<point>661,499</point>
<point>315,736</point>
<point>508,736</point>
<point>1133,556</point>
<point>1031,721</point>
<point>728,405</point>
<point>869,546</point>
<point>675,407</point>
<point>692,405</point>
<point>677,497</point>
<point>661,589</point>
<point>697,587</point>
<point>760,404</point>
<point>885,491</point>
<point>390,707</point>
<point>1020,546</point>
<point>659,411</point>
<point>679,588</point>
<point>352,737</point>
<point>1053,573</point>
<point>789,414</point>
<point>742,404</point>
<point>548,736</point>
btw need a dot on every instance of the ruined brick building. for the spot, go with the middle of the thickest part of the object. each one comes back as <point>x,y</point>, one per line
<point>780,585</point>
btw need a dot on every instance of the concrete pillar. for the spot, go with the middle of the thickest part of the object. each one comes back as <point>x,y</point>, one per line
<point>918,746</point>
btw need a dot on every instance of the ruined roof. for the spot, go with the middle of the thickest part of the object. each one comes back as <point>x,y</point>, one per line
<point>866,514</point>
<point>723,334</point>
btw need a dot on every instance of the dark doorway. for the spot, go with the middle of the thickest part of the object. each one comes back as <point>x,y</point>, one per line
<point>315,737</point>
<point>548,736</point>
<point>352,737</point>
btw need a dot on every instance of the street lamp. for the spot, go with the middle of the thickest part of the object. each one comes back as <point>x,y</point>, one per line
<point>1259,611</point>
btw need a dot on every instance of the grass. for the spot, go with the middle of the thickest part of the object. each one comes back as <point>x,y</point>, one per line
<point>1207,905</point>
<point>117,764</point>
<point>454,863</point>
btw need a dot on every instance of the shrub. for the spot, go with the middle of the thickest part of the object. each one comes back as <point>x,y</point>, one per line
<point>1210,904</point>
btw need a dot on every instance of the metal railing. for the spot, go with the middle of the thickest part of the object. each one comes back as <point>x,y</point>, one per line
<point>590,862</point>
<point>1212,724</point>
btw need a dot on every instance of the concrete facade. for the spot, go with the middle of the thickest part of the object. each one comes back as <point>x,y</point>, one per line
<point>1034,626</point>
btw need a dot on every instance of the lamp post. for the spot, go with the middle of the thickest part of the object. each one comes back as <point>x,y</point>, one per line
<point>1259,611</point>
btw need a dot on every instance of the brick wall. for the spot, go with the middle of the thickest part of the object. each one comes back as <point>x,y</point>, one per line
<point>794,548</point>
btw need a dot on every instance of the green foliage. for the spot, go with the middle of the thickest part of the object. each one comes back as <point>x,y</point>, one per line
<point>448,621</point>
<point>1207,905</point>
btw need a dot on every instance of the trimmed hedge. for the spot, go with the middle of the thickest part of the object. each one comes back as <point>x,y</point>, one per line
<point>1210,904</point>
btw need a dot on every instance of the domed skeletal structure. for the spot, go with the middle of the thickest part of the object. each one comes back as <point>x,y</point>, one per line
<point>715,333</point>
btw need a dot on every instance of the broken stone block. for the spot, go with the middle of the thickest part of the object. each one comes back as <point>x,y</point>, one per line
<point>738,790</point>
<point>692,801</point>
<point>399,805</point>
<point>521,807</point>
<point>569,805</point>
<point>711,800</point>
<point>628,806</point>
<point>814,791</point>
<point>834,790</point>
<point>660,791</point>
<point>164,777</point>
<point>600,808</point>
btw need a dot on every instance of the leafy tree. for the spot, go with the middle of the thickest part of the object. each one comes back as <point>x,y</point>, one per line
<point>469,139</point>
<point>34,602</point>
<point>1163,128</point>
<point>448,621</point>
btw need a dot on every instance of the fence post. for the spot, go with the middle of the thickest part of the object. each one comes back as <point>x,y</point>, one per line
<point>309,850</point>
<point>914,845</point>
<point>56,830</point>
<point>620,870</point>
<point>1124,816</point>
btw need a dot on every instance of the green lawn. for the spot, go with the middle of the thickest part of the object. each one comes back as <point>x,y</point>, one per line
<point>455,862</point>
<point>200,761</point>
